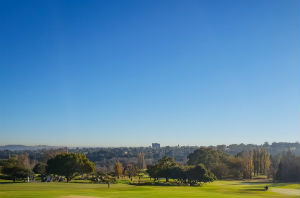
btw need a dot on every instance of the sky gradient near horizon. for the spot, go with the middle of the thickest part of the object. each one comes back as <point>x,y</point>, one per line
<point>129,73</point>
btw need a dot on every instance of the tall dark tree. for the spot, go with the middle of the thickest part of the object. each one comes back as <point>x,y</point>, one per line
<point>153,171</point>
<point>289,168</point>
<point>165,165</point>
<point>40,168</point>
<point>275,161</point>
<point>69,164</point>
<point>162,168</point>
<point>207,156</point>
<point>199,174</point>
<point>178,173</point>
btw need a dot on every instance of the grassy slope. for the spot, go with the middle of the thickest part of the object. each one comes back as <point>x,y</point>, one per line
<point>220,189</point>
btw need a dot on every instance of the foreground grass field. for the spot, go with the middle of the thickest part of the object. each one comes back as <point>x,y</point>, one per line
<point>218,189</point>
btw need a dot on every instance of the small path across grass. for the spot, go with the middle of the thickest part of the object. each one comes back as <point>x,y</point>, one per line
<point>286,191</point>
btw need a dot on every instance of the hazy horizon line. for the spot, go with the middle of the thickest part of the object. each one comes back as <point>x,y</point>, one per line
<point>162,145</point>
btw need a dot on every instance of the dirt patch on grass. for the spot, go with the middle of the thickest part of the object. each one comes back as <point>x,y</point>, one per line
<point>286,191</point>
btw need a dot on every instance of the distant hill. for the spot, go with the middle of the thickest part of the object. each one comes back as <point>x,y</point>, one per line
<point>23,147</point>
<point>274,149</point>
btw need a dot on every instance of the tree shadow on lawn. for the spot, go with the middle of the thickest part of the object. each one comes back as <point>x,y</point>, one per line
<point>250,183</point>
<point>253,189</point>
<point>11,182</point>
<point>166,184</point>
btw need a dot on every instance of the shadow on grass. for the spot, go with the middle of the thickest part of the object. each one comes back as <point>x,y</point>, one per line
<point>251,183</point>
<point>164,184</point>
<point>253,189</point>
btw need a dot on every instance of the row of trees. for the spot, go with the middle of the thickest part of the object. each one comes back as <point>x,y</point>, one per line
<point>105,158</point>
<point>244,165</point>
<point>261,161</point>
<point>212,162</point>
<point>167,168</point>
<point>66,164</point>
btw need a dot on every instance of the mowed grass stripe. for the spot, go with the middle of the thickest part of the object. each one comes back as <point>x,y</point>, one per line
<point>218,189</point>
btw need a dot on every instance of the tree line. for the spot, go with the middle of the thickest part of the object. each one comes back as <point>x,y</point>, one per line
<point>212,163</point>
<point>245,164</point>
<point>64,164</point>
<point>106,157</point>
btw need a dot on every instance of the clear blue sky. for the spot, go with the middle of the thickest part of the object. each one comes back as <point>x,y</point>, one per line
<point>129,73</point>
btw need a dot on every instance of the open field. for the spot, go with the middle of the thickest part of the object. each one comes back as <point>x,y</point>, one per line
<point>218,189</point>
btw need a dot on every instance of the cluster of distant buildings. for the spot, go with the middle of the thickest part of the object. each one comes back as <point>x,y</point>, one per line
<point>155,145</point>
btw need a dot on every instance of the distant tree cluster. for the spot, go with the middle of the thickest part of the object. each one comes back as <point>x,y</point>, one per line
<point>131,171</point>
<point>245,164</point>
<point>17,168</point>
<point>288,168</point>
<point>167,168</point>
<point>261,161</point>
<point>65,164</point>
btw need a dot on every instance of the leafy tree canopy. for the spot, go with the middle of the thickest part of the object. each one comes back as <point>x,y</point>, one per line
<point>15,170</point>
<point>206,156</point>
<point>69,164</point>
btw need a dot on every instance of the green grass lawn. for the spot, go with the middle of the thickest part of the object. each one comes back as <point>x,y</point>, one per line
<point>220,189</point>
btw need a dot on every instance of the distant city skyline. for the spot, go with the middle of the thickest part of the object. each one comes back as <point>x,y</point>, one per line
<point>38,147</point>
<point>130,73</point>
